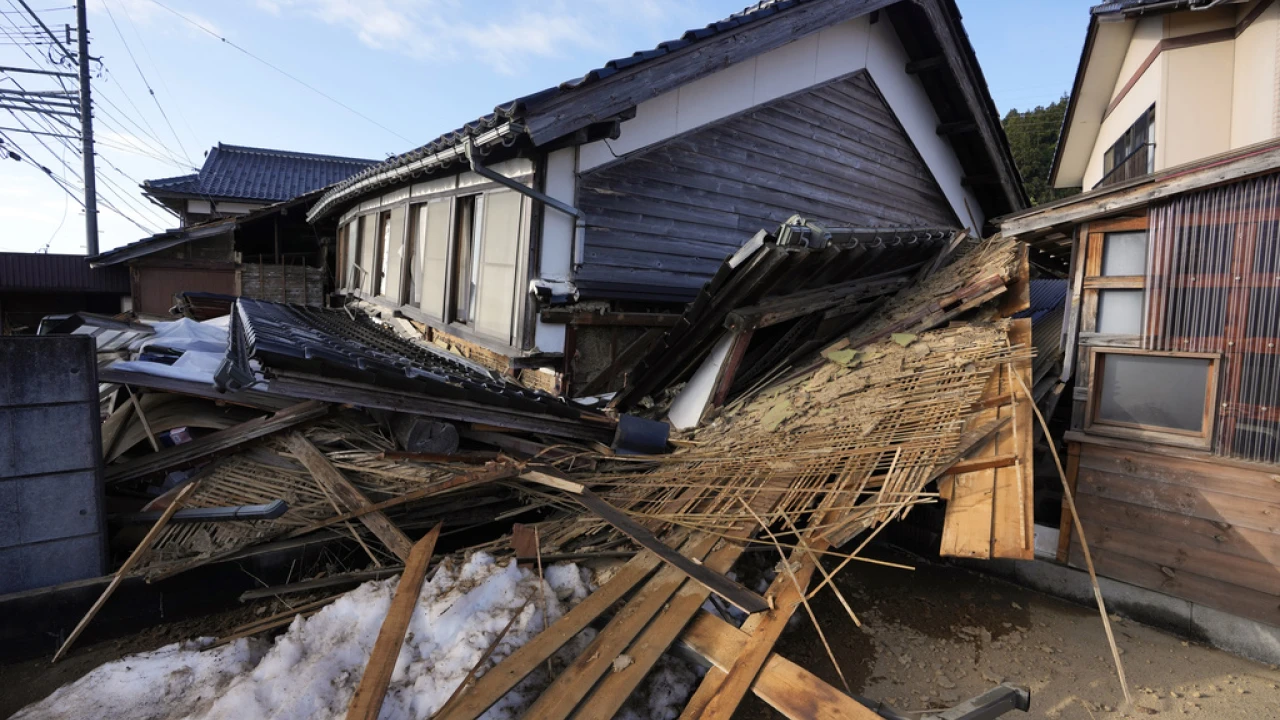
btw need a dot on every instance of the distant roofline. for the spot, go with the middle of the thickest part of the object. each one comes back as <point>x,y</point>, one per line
<point>293,154</point>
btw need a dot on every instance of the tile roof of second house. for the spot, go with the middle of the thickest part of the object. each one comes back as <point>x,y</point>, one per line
<point>249,173</point>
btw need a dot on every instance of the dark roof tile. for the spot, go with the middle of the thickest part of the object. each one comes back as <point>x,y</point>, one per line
<point>249,173</point>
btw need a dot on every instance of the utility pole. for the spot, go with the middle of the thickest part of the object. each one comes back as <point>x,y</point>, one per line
<point>86,133</point>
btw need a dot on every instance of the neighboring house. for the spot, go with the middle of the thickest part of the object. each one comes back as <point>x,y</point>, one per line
<point>271,254</point>
<point>243,231</point>
<point>1163,83</point>
<point>236,180</point>
<point>33,285</point>
<point>626,189</point>
<point>1172,337</point>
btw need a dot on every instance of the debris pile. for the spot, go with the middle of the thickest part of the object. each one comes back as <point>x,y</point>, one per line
<point>802,412</point>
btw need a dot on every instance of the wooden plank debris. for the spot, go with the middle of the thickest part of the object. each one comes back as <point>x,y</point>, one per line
<point>336,483</point>
<point>507,674</point>
<point>740,597</point>
<point>220,441</point>
<point>134,557</point>
<point>368,697</point>
<point>787,687</point>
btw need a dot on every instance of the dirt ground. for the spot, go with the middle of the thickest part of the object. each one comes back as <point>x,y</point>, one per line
<point>940,634</point>
<point>930,637</point>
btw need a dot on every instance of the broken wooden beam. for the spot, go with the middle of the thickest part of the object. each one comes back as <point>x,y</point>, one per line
<point>138,553</point>
<point>788,688</point>
<point>992,462</point>
<point>736,594</point>
<point>774,310</point>
<point>187,453</point>
<point>335,483</point>
<point>507,674</point>
<point>367,700</point>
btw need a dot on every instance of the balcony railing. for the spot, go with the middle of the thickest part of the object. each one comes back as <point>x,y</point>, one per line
<point>1136,164</point>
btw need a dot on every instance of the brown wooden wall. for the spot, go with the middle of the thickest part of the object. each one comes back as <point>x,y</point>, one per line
<point>663,218</point>
<point>155,283</point>
<point>1201,530</point>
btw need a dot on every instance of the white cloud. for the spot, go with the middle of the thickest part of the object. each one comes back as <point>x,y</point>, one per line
<point>144,13</point>
<point>501,35</point>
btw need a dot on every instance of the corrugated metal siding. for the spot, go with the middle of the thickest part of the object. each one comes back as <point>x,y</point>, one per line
<point>1213,285</point>
<point>63,273</point>
<point>668,216</point>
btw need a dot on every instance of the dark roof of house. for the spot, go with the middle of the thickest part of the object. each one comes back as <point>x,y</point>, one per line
<point>40,272</point>
<point>179,236</point>
<point>509,116</point>
<point>310,353</point>
<point>248,173</point>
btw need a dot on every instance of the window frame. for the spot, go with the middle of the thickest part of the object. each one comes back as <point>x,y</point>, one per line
<point>1202,440</point>
<point>1094,283</point>
<point>382,253</point>
<point>459,279</point>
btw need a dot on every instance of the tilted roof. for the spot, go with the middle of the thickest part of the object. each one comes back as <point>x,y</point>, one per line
<point>541,117</point>
<point>263,174</point>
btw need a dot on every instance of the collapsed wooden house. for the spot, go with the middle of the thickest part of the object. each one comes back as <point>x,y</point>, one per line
<point>545,240</point>
<point>1170,365</point>
<point>820,444</point>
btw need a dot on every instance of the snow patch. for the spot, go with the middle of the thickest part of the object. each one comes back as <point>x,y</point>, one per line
<point>312,670</point>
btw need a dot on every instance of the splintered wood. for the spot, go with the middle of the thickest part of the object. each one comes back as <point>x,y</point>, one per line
<point>270,471</point>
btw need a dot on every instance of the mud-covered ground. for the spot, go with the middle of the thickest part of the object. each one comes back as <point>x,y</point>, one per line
<point>940,634</point>
<point>929,638</point>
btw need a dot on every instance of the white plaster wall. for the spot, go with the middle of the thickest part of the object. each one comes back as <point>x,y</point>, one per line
<point>1147,33</point>
<point>1101,82</point>
<point>555,260</point>
<point>886,62</point>
<point>812,60</point>
<point>1254,103</point>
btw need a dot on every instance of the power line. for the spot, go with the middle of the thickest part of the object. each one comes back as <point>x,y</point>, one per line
<point>159,75</point>
<point>294,78</point>
<point>134,60</point>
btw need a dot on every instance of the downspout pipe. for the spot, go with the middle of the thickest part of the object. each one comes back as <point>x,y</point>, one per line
<point>580,218</point>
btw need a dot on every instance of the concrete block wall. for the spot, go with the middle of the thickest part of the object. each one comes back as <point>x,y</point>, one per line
<point>52,528</point>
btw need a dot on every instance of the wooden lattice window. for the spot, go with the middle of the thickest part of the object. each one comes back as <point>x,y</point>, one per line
<point>1114,298</point>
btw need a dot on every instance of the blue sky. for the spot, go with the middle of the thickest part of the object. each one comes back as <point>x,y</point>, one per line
<point>417,67</point>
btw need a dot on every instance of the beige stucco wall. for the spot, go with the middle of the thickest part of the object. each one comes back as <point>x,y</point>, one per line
<point>1253,110</point>
<point>1198,88</point>
<point>1209,98</point>
<point>1146,35</point>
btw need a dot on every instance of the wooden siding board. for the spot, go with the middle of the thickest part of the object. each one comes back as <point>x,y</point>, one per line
<point>1218,477</point>
<point>1183,584</point>
<point>830,159</point>
<point>1181,500</point>
<point>698,197</point>
<point>1209,535</point>
<point>1201,531</point>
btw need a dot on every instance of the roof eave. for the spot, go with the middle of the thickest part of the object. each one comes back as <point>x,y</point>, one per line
<point>453,153</point>
<point>1224,168</point>
<point>1073,101</point>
